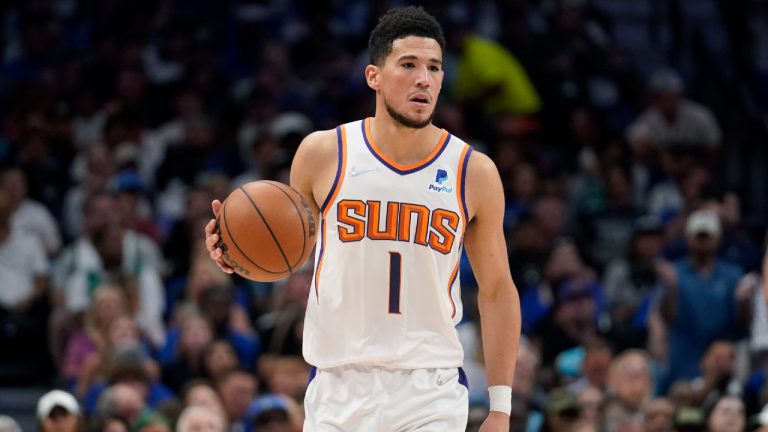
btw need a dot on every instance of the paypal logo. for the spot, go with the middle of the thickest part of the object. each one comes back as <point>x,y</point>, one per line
<point>441,176</point>
<point>445,189</point>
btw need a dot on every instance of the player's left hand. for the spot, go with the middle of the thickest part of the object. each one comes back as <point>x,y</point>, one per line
<point>496,422</point>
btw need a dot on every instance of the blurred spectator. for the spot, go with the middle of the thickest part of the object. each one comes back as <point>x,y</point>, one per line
<point>671,120</point>
<point>109,304</point>
<point>630,383</point>
<point>282,329</point>
<point>551,214</point>
<point>606,232</point>
<point>122,338</point>
<point>217,305</point>
<point>110,423</point>
<point>759,340</point>
<point>594,367</point>
<point>490,78</point>
<point>701,302</point>
<point>285,375</point>
<point>274,413</point>
<point>123,257</point>
<point>92,171</point>
<point>690,418</point>
<point>590,401</point>
<point>24,265</point>
<point>183,241</point>
<point>219,357</point>
<point>562,411</point>
<point>640,29</point>
<point>520,419</point>
<point>760,421</point>
<point>718,377</point>
<point>726,415</point>
<point>199,419</point>
<point>682,394</point>
<point>236,389</point>
<point>142,285</point>
<point>129,365</point>
<point>134,211</point>
<point>199,393</point>
<point>577,303</point>
<point>29,216</point>
<point>196,154</point>
<point>189,106</point>
<point>182,357</point>
<point>630,284</point>
<point>58,411</point>
<point>681,188</point>
<point>151,422</point>
<point>24,305</point>
<point>563,265</point>
<point>8,424</point>
<point>525,187</point>
<point>735,246</point>
<point>121,400</point>
<point>659,415</point>
<point>528,252</point>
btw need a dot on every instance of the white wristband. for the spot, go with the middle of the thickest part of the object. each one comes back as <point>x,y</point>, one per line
<point>501,398</point>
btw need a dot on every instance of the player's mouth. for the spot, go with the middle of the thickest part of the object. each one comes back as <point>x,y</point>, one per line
<point>420,100</point>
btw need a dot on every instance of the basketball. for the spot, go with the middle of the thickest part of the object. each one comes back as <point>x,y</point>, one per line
<point>266,230</point>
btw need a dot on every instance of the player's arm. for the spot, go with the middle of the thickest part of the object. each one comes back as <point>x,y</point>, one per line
<point>484,242</point>
<point>314,167</point>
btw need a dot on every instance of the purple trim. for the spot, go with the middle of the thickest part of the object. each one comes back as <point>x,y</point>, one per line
<point>338,170</point>
<point>395,169</point>
<point>313,374</point>
<point>463,378</point>
<point>463,185</point>
<point>319,258</point>
<point>450,291</point>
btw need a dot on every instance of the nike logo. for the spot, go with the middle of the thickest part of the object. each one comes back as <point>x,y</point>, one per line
<point>441,381</point>
<point>361,172</point>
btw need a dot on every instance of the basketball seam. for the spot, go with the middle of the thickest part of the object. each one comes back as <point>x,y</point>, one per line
<point>226,226</point>
<point>263,219</point>
<point>303,230</point>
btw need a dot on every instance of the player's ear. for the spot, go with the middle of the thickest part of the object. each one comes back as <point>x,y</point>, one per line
<point>372,76</point>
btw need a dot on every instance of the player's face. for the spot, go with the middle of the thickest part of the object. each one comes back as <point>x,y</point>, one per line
<point>409,81</point>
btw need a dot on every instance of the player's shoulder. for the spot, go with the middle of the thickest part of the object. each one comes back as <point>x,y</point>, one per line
<point>481,165</point>
<point>483,183</point>
<point>319,140</point>
<point>318,146</point>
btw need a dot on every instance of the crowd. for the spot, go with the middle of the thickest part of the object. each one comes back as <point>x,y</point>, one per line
<point>627,133</point>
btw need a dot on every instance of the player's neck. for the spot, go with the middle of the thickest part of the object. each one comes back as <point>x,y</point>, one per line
<point>402,144</point>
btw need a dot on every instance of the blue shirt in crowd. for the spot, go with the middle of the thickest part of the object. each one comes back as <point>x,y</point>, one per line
<point>706,312</point>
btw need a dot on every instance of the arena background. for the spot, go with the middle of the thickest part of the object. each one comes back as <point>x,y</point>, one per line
<point>611,123</point>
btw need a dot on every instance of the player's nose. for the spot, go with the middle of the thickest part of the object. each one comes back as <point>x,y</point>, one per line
<point>422,78</point>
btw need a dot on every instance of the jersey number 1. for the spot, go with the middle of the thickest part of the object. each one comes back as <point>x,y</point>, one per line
<point>395,261</point>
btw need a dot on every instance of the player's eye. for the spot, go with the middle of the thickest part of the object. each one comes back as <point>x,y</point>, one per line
<point>434,68</point>
<point>409,65</point>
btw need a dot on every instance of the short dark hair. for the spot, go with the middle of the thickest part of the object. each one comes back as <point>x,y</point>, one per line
<point>401,22</point>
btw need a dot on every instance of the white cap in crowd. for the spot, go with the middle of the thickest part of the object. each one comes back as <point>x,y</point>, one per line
<point>56,398</point>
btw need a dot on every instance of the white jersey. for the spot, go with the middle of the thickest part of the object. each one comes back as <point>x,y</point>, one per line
<point>386,286</point>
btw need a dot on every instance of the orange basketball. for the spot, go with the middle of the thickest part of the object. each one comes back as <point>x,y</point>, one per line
<point>266,230</point>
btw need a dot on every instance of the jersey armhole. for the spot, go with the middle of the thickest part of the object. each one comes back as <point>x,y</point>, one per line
<point>341,138</point>
<point>461,181</point>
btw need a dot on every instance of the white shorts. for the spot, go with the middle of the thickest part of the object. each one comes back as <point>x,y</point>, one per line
<point>372,399</point>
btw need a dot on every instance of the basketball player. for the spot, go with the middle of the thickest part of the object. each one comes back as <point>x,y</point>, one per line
<point>398,198</point>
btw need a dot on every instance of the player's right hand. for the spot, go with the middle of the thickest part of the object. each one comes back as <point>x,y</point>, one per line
<point>212,240</point>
